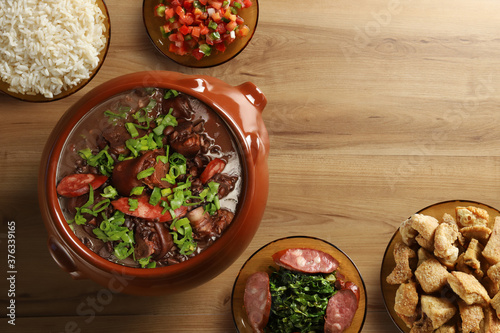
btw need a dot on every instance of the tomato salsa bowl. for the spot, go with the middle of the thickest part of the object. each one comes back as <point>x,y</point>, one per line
<point>125,197</point>
<point>200,33</point>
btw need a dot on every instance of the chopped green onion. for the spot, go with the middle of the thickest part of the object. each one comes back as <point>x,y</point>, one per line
<point>186,244</point>
<point>212,25</point>
<point>123,250</point>
<point>171,93</point>
<point>215,35</point>
<point>102,160</point>
<point>137,190</point>
<point>133,204</point>
<point>109,192</point>
<point>155,197</point>
<point>205,49</point>
<point>147,262</point>
<point>132,129</point>
<point>166,191</point>
<point>146,173</point>
<point>100,206</point>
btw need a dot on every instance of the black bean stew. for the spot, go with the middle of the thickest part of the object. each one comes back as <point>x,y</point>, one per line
<point>149,178</point>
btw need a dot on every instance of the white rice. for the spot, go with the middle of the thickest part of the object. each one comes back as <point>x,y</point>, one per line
<point>49,46</point>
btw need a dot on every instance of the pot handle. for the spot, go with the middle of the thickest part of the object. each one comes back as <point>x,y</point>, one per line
<point>63,259</point>
<point>254,95</point>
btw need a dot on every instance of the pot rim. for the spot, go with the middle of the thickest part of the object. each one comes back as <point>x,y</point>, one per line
<point>198,86</point>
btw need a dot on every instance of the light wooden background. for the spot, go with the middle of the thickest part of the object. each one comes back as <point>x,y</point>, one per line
<point>376,109</point>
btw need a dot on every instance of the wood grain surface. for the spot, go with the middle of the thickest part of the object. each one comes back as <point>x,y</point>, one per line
<point>376,109</point>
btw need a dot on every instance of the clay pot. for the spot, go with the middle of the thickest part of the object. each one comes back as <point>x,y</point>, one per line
<point>240,107</point>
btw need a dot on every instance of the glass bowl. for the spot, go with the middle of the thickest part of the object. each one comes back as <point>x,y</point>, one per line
<point>4,86</point>
<point>262,260</point>
<point>436,210</point>
<point>153,23</point>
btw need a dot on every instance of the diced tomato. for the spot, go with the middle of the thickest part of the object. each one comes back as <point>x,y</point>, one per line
<point>185,29</point>
<point>221,28</point>
<point>196,32</point>
<point>188,5</point>
<point>243,31</point>
<point>180,11</point>
<point>204,30</point>
<point>169,12</point>
<point>188,19</point>
<point>221,47</point>
<point>216,17</point>
<point>186,26</point>
<point>215,4</point>
<point>231,26</point>
<point>197,54</point>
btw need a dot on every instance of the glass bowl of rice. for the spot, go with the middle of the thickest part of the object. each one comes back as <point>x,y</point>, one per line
<point>51,49</point>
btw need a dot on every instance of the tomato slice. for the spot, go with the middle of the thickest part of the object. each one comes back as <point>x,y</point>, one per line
<point>77,184</point>
<point>145,210</point>
<point>214,167</point>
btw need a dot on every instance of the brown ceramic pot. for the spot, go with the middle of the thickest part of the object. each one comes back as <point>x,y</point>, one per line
<point>240,107</point>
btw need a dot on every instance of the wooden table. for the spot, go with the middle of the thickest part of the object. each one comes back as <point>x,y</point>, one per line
<point>376,109</point>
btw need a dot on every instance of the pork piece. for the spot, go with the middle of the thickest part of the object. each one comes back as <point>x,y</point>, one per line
<point>431,275</point>
<point>492,249</point>
<point>406,302</point>
<point>205,225</point>
<point>445,248</point>
<point>402,272</point>
<point>125,172</point>
<point>495,304</point>
<point>471,316</point>
<point>408,234</point>
<point>479,232</point>
<point>423,325</point>
<point>306,260</point>
<point>437,309</point>
<point>226,184</point>
<point>468,288</point>
<point>184,141</point>
<point>491,321</point>
<point>470,216</point>
<point>473,258</point>
<point>426,227</point>
<point>152,239</point>
<point>340,311</point>
<point>257,300</point>
<point>446,328</point>
<point>115,136</point>
<point>494,274</point>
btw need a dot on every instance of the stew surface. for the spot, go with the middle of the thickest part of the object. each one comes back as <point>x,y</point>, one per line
<point>150,178</point>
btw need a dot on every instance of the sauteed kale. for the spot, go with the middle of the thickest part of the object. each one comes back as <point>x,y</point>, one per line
<point>156,181</point>
<point>299,301</point>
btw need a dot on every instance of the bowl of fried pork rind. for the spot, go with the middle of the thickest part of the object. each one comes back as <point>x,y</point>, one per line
<point>441,270</point>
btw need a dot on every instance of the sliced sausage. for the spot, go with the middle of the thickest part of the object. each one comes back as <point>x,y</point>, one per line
<point>353,287</point>
<point>257,300</point>
<point>78,184</point>
<point>340,311</point>
<point>145,210</point>
<point>306,260</point>
<point>213,167</point>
